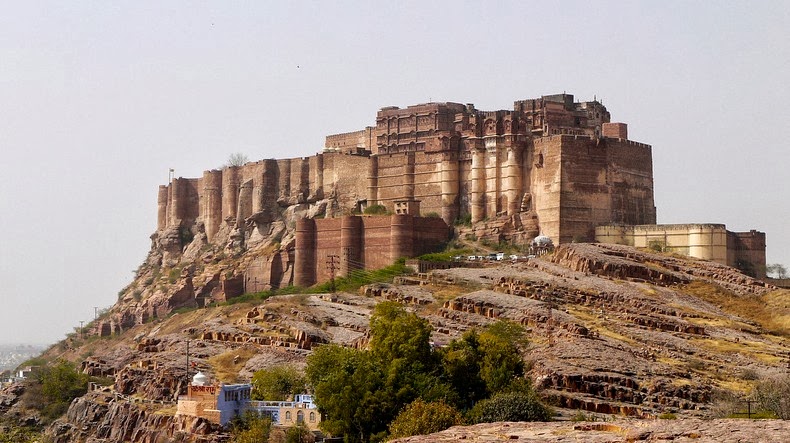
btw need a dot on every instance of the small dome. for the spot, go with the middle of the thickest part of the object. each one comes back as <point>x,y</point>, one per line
<point>542,240</point>
<point>199,379</point>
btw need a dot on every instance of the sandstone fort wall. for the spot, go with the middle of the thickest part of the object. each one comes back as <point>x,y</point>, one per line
<point>361,242</point>
<point>742,250</point>
<point>236,193</point>
<point>546,158</point>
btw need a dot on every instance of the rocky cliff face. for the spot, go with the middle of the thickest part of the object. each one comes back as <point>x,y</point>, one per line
<point>185,270</point>
<point>613,330</point>
<point>111,420</point>
<point>699,431</point>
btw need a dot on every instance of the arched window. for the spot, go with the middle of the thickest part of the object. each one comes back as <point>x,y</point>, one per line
<point>300,417</point>
<point>287,415</point>
<point>312,417</point>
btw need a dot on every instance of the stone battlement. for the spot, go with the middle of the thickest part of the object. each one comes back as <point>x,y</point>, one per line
<point>545,164</point>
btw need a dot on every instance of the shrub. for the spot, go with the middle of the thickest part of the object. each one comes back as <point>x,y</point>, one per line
<point>53,389</point>
<point>432,214</point>
<point>62,382</point>
<point>581,416</point>
<point>251,429</point>
<point>174,274</point>
<point>667,416</point>
<point>437,257</point>
<point>749,374</point>
<point>359,277</point>
<point>376,210</point>
<point>299,433</point>
<point>185,235</point>
<point>420,418</point>
<point>511,406</point>
<point>464,220</point>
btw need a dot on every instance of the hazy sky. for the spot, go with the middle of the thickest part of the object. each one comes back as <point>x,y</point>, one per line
<point>99,99</point>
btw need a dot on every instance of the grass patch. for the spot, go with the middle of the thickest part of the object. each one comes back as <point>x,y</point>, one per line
<point>771,311</point>
<point>263,295</point>
<point>594,323</point>
<point>360,277</point>
<point>227,365</point>
<point>169,411</point>
<point>755,415</point>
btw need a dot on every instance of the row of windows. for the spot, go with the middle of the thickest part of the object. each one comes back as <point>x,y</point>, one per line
<point>300,416</point>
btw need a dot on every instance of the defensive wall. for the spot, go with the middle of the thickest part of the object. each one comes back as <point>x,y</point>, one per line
<point>551,166</point>
<point>361,242</point>
<point>742,250</point>
<point>557,162</point>
<point>255,191</point>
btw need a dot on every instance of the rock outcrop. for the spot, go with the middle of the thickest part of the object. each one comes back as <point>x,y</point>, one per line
<point>612,330</point>
<point>698,431</point>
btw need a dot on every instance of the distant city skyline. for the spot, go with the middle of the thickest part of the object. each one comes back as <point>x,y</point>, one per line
<point>101,100</point>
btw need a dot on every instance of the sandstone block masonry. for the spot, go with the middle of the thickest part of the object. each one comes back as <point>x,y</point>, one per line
<point>550,159</point>
<point>742,250</point>
<point>356,242</point>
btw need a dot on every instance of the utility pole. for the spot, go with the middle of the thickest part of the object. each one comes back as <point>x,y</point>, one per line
<point>187,368</point>
<point>82,335</point>
<point>331,264</point>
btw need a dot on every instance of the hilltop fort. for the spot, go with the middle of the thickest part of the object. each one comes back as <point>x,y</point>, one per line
<point>551,166</point>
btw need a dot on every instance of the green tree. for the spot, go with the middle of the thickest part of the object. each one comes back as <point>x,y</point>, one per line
<point>461,364</point>
<point>299,433</point>
<point>62,382</point>
<point>501,362</point>
<point>59,385</point>
<point>277,383</point>
<point>419,418</point>
<point>360,392</point>
<point>399,335</point>
<point>347,384</point>
<point>251,428</point>
<point>511,406</point>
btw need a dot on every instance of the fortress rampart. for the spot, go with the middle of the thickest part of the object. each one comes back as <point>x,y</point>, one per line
<point>708,241</point>
<point>254,191</point>
<point>361,242</point>
<point>550,165</point>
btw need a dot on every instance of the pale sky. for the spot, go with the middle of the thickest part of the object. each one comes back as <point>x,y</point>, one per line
<point>99,99</point>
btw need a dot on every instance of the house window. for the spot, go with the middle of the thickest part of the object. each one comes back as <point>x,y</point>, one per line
<point>300,417</point>
<point>287,415</point>
<point>312,417</point>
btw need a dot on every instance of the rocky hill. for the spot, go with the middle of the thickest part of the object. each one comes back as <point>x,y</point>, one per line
<point>613,330</point>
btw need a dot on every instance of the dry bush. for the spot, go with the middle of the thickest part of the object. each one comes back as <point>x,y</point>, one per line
<point>773,394</point>
<point>725,404</point>
<point>228,365</point>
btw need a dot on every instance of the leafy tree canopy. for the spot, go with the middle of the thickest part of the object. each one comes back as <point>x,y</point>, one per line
<point>511,406</point>
<point>361,392</point>
<point>419,418</point>
<point>277,383</point>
